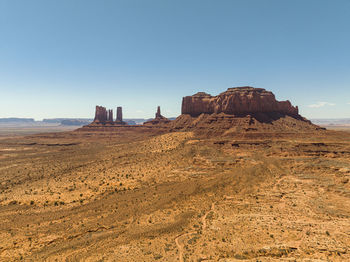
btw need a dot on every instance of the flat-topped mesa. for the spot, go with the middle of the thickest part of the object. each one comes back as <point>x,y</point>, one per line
<point>100,115</point>
<point>238,100</point>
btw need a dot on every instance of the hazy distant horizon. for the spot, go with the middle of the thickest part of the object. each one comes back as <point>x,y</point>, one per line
<point>314,120</point>
<point>61,58</point>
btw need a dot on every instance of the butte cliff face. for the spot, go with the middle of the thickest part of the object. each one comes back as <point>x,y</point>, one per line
<point>100,115</point>
<point>240,109</point>
<point>239,100</point>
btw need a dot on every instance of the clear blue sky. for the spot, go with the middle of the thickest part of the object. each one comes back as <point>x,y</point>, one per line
<point>61,58</point>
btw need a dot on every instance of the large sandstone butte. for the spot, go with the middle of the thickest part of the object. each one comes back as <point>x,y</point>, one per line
<point>237,110</point>
<point>239,100</point>
<point>240,109</point>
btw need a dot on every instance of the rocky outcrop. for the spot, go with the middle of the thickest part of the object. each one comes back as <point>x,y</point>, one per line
<point>104,116</point>
<point>158,114</point>
<point>237,101</point>
<point>240,110</point>
<point>110,115</point>
<point>158,120</point>
<point>100,115</point>
<point>119,120</point>
<point>119,114</point>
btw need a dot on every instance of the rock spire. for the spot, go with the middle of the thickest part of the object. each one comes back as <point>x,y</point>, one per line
<point>159,119</point>
<point>119,114</point>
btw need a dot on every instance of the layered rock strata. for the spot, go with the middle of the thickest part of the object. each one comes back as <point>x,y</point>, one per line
<point>240,109</point>
<point>237,101</point>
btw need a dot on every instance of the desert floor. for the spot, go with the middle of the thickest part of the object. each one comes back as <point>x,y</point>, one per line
<point>146,196</point>
<point>7,131</point>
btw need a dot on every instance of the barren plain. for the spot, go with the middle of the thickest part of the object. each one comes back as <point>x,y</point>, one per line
<point>178,196</point>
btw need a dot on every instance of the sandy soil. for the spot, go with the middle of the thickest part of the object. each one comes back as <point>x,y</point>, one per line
<point>146,196</point>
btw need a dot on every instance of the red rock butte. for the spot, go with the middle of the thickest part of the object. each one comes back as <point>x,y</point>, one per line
<point>240,110</point>
<point>237,110</point>
<point>105,117</point>
<point>238,100</point>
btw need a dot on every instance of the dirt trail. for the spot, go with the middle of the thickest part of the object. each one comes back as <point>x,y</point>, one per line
<point>204,221</point>
<point>177,239</point>
<point>180,248</point>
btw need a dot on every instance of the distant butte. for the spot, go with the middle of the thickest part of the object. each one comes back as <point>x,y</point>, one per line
<point>238,100</point>
<point>240,109</point>
<point>237,110</point>
<point>105,117</point>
